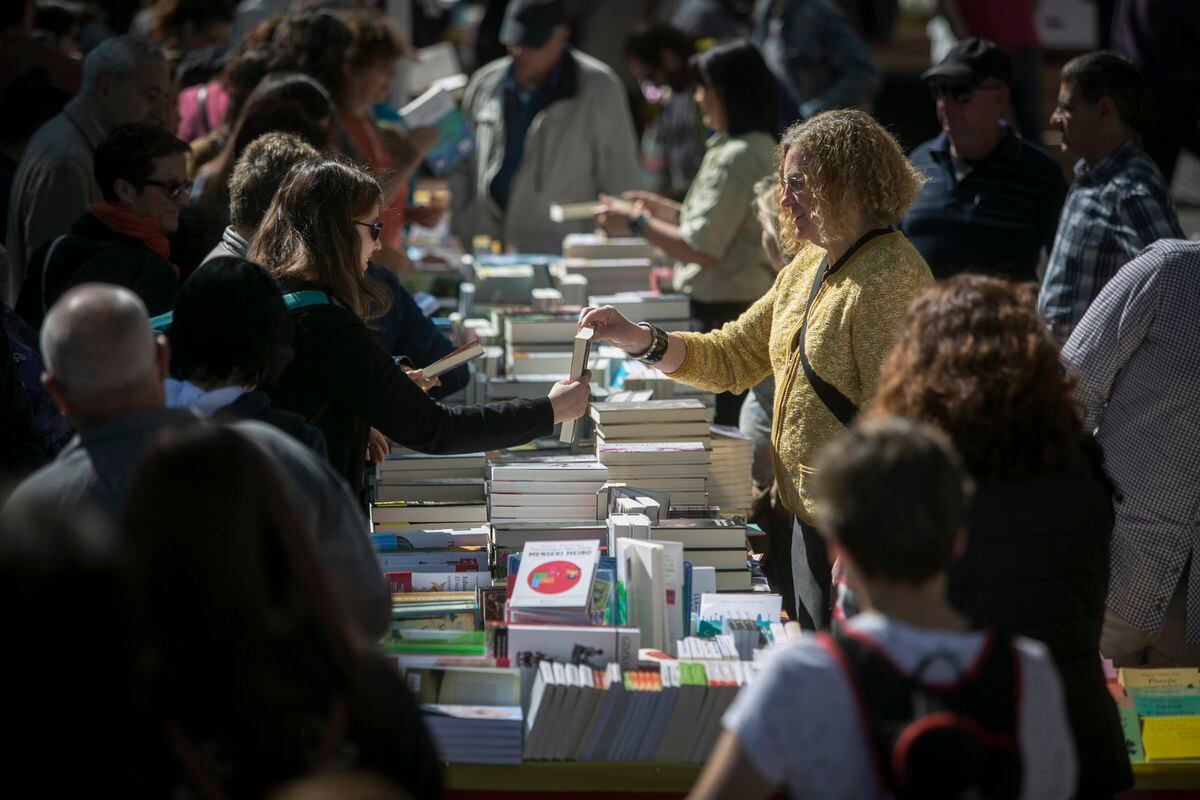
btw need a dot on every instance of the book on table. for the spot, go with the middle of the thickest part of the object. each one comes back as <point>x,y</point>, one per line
<point>628,453</point>
<point>427,511</point>
<point>554,582</point>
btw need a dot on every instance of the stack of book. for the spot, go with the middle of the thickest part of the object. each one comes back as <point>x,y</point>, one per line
<point>675,420</point>
<point>671,714</point>
<point>730,483</point>
<point>716,543</point>
<point>1159,710</point>
<point>677,468</point>
<point>562,488</point>
<point>417,476</point>
<point>555,584</point>
<point>475,734</point>
<point>436,611</point>
<point>671,312</point>
<point>594,245</point>
<point>399,516</point>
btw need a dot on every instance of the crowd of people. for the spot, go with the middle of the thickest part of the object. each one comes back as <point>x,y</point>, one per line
<point>971,385</point>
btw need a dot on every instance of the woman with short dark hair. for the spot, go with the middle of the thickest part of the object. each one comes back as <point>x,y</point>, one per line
<point>142,172</point>
<point>714,235</point>
<point>254,674</point>
<point>318,235</point>
<point>973,358</point>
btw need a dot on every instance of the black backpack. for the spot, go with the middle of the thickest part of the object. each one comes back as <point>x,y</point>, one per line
<point>938,740</point>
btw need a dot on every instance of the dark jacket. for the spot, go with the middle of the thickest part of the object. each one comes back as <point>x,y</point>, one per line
<point>343,382</point>
<point>257,405</point>
<point>1037,565</point>
<point>93,253</point>
<point>406,331</point>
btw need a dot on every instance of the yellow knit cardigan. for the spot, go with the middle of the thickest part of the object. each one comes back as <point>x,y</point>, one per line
<point>854,322</point>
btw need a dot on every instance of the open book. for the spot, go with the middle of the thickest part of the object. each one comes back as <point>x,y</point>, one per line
<point>579,362</point>
<point>436,109</point>
<point>452,359</point>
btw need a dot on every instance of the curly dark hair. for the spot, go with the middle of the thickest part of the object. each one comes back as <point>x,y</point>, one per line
<point>973,358</point>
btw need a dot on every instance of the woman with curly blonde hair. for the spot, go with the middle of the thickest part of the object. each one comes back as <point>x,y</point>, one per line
<point>973,358</point>
<point>822,329</point>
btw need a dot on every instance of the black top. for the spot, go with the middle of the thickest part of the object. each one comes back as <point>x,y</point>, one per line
<point>343,382</point>
<point>93,252</point>
<point>257,405</point>
<point>1037,565</point>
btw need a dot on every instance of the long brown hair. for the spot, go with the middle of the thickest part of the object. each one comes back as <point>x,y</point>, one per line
<point>972,357</point>
<point>309,232</point>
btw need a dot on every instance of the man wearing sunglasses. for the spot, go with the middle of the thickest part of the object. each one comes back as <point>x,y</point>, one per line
<point>992,200</point>
<point>142,173</point>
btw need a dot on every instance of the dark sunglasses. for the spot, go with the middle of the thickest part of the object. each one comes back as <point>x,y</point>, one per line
<point>177,191</point>
<point>376,229</point>
<point>960,93</point>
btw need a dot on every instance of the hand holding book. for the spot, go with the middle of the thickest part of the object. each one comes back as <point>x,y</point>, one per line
<point>612,327</point>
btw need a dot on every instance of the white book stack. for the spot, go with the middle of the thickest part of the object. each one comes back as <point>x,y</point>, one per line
<point>558,490</point>
<point>592,245</point>
<point>730,485</point>
<point>574,288</point>
<point>402,467</point>
<point>607,275</point>
<point>656,422</point>
<point>678,468</point>
<point>670,312</point>
<point>502,284</point>
<point>419,515</point>
<point>717,544</point>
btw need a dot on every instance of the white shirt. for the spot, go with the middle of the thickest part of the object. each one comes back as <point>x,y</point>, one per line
<point>798,724</point>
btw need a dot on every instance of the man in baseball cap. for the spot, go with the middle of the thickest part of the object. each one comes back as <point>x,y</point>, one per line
<point>552,125</point>
<point>992,199</point>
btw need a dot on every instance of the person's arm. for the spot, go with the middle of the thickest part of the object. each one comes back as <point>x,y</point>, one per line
<point>732,358</point>
<point>855,76</point>
<point>1111,331</point>
<point>616,214</point>
<point>362,378</point>
<point>657,206</point>
<point>730,774</point>
<point>1148,216</point>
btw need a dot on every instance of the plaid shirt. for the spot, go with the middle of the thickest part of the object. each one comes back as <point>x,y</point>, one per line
<point>1136,352</point>
<point>1116,208</point>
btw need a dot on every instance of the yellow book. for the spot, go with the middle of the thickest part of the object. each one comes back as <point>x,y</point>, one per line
<point>1180,678</point>
<point>1171,738</point>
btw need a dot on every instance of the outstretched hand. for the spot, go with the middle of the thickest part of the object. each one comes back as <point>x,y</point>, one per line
<point>612,327</point>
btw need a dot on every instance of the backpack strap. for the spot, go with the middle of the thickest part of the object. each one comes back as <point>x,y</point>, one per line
<point>295,301</point>
<point>838,656</point>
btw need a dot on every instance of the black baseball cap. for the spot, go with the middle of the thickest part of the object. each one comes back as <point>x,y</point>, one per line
<point>529,23</point>
<point>973,61</point>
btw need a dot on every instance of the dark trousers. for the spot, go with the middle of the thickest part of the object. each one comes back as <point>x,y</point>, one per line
<point>811,577</point>
<point>712,316</point>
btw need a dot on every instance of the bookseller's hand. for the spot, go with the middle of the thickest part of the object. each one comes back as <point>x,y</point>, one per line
<point>569,399</point>
<point>612,327</point>
<point>656,205</point>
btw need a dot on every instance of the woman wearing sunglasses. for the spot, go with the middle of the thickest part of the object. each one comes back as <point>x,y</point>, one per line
<point>142,172</point>
<point>822,330</point>
<point>319,235</point>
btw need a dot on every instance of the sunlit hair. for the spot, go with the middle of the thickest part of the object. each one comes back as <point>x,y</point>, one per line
<point>854,171</point>
<point>973,358</point>
<point>309,232</point>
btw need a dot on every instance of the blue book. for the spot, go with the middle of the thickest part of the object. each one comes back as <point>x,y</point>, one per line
<point>436,109</point>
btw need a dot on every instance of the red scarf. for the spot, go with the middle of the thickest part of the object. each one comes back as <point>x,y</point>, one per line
<point>123,220</point>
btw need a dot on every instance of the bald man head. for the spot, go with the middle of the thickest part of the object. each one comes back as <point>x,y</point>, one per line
<point>103,361</point>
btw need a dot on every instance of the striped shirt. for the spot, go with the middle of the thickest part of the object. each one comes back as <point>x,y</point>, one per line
<point>995,219</point>
<point>1136,352</point>
<point>1117,207</point>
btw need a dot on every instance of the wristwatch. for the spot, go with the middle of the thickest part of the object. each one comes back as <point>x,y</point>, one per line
<point>637,225</point>
<point>658,345</point>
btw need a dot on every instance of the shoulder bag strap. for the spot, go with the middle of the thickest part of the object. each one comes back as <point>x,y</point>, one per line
<point>837,403</point>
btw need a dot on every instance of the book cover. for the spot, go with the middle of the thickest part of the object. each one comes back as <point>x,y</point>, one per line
<point>436,109</point>
<point>556,575</point>
<point>581,348</point>
<point>461,355</point>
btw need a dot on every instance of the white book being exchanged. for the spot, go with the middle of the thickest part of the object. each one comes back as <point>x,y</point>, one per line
<point>579,361</point>
<point>454,358</point>
<point>556,574</point>
<point>572,212</point>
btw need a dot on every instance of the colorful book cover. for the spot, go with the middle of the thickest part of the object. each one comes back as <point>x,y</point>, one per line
<point>556,575</point>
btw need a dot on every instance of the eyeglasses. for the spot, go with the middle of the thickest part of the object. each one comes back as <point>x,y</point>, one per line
<point>177,190</point>
<point>792,183</point>
<point>376,229</point>
<point>960,93</point>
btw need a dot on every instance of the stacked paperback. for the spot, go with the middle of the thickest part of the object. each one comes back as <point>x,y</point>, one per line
<point>417,476</point>
<point>677,468</point>
<point>472,734</point>
<point>555,583</point>
<point>730,483</point>
<point>559,489</point>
